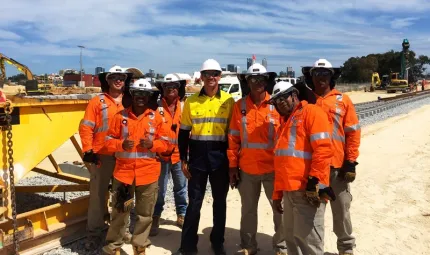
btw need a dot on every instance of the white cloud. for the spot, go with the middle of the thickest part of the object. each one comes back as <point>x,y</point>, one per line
<point>153,34</point>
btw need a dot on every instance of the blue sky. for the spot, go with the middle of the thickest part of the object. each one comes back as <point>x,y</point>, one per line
<point>177,36</point>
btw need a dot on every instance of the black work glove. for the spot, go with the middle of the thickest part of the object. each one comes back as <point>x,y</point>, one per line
<point>316,191</point>
<point>347,171</point>
<point>90,157</point>
<point>124,199</point>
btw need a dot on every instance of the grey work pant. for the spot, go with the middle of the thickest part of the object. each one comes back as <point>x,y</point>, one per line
<point>250,188</point>
<point>145,198</point>
<point>99,183</point>
<point>303,225</point>
<point>342,226</point>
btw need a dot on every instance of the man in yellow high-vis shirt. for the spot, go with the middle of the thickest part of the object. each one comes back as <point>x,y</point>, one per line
<point>206,115</point>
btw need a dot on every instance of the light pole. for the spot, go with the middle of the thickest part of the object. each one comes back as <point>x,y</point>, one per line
<point>82,47</point>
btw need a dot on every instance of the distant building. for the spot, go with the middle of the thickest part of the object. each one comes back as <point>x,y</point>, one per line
<point>248,63</point>
<point>264,62</point>
<point>61,72</point>
<point>99,70</point>
<point>223,69</point>
<point>290,72</point>
<point>230,67</point>
<point>237,69</point>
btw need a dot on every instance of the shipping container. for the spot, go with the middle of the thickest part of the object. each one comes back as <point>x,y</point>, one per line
<point>75,78</point>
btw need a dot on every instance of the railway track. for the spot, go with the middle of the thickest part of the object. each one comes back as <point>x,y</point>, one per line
<point>368,109</point>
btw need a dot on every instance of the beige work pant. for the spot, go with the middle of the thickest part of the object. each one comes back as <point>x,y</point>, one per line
<point>303,225</point>
<point>145,198</point>
<point>342,225</point>
<point>249,189</point>
<point>99,183</point>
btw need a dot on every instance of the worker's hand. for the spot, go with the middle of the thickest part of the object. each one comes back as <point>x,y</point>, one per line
<point>146,143</point>
<point>185,170</point>
<point>312,191</point>
<point>347,171</point>
<point>234,177</point>
<point>127,144</point>
<point>277,204</point>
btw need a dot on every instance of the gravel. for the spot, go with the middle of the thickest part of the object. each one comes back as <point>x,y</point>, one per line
<point>402,109</point>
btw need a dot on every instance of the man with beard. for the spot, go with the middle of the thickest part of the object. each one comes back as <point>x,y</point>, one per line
<point>345,134</point>
<point>92,130</point>
<point>251,139</point>
<point>302,155</point>
<point>136,135</point>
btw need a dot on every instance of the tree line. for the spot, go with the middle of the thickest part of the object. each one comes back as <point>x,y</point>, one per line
<point>360,69</point>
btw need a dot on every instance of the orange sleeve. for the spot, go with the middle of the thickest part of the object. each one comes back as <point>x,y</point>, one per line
<point>352,129</point>
<point>318,128</point>
<point>277,195</point>
<point>87,126</point>
<point>234,136</point>
<point>113,138</point>
<point>161,140</point>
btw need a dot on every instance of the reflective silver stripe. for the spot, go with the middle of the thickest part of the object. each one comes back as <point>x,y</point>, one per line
<point>219,138</point>
<point>173,141</point>
<point>161,109</point>
<point>89,123</point>
<point>271,133</point>
<point>105,120</point>
<point>291,150</point>
<point>165,138</point>
<point>353,128</point>
<point>125,125</point>
<point>151,131</point>
<point>337,123</point>
<point>319,136</point>
<point>234,132</point>
<point>136,155</point>
<point>108,138</point>
<point>185,127</point>
<point>209,119</point>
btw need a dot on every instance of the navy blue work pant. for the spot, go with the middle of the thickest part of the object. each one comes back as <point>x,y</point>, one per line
<point>219,181</point>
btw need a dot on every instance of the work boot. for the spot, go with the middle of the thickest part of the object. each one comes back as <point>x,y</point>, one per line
<point>92,243</point>
<point>115,252</point>
<point>155,226</point>
<point>180,221</point>
<point>248,251</point>
<point>127,236</point>
<point>139,250</point>
<point>345,253</point>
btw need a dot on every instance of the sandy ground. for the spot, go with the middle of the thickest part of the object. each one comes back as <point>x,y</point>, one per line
<point>391,204</point>
<point>360,96</point>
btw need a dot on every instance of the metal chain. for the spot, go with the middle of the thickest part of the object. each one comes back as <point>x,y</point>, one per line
<point>8,112</point>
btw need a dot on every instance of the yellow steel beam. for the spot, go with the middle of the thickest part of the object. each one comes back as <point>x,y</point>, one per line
<point>53,188</point>
<point>63,176</point>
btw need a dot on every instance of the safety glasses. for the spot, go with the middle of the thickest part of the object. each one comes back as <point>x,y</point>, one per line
<point>116,77</point>
<point>256,79</point>
<point>279,99</point>
<point>321,73</point>
<point>171,85</point>
<point>141,93</point>
<point>208,74</point>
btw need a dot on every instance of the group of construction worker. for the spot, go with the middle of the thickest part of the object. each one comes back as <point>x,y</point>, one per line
<point>299,141</point>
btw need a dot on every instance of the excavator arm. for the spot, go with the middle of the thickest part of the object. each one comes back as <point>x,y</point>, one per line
<point>22,68</point>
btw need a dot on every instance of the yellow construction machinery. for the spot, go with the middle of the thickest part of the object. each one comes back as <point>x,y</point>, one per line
<point>31,83</point>
<point>32,129</point>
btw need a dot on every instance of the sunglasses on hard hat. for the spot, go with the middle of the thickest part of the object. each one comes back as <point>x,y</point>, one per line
<point>138,93</point>
<point>171,85</point>
<point>211,73</point>
<point>321,72</point>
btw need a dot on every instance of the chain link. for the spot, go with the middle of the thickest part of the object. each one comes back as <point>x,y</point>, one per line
<point>8,113</point>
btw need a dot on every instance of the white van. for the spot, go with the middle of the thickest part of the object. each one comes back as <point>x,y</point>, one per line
<point>231,84</point>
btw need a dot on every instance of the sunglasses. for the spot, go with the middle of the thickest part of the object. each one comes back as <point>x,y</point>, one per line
<point>142,93</point>
<point>256,79</point>
<point>319,73</point>
<point>208,74</point>
<point>117,77</point>
<point>172,85</point>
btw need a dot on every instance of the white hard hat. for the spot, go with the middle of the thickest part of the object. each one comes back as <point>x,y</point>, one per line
<point>211,64</point>
<point>256,69</point>
<point>141,85</point>
<point>116,70</point>
<point>171,78</point>
<point>281,88</point>
<point>322,63</point>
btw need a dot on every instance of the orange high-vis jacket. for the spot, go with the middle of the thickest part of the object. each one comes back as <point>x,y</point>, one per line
<point>138,163</point>
<point>169,121</point>
<point>346,131</point>
<point>303,148</point>
<point>251,136</point>
<point>96,122</point>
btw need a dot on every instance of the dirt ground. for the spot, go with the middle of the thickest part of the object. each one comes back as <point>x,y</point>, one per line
<point>391,195</point>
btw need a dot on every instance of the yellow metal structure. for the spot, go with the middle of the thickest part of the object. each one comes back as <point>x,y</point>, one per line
<point>396,84</point>
<point>22,68</point>
<point>39,126</point>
